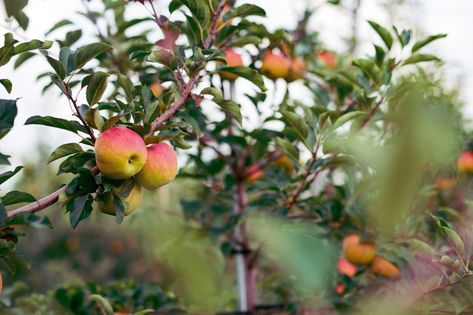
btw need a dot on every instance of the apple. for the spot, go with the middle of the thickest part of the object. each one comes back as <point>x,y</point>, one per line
<point>465,162</point>
<point>297,69</point>
<point>327,59</point>
<point>385,268</point>
<point>160,168</point>
<point>340,288</point>
<point>346,268</point>
<point>233,60</point>
<point>120,153</point>
<point>275,65</point>
<point>357,252</point>
<point>131,196</point>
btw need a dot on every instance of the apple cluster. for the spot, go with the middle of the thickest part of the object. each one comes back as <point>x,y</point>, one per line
<point>122,154</point>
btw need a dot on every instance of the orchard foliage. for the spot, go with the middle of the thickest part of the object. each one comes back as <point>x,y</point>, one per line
<point>362,171</point>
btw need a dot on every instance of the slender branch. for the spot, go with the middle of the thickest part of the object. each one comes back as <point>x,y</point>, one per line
<point>78,114</point>
<point>213,28</point>
<point>372,112</point>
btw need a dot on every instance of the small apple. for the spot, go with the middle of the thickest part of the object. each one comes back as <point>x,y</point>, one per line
<point>275,65</point>
<point>120,153</point>
<point>346,268</point>
<point>233,60</point>
<point>131,196</point>
<point>340,288</point>
<point>160,168</point>
<point>156,89</point>
<point>465,162</point>
<point>385,268</point>
<point>327,59</point>
<point>297,69</point>
<point>356,252</point>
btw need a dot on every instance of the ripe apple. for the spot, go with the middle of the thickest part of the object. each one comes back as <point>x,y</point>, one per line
<point>327,59</point>
<point>252,174</point>
<point>130,196</point>
<point>160,168</point>
<point>356,252</point>
<point>465,162</point>
<point>120,153</point>
<point>233,60</point>
<point>275,65</point>
<point>385,268</point>
<point>340,288</point>
<point>297,69</point>
<point>346,268</point>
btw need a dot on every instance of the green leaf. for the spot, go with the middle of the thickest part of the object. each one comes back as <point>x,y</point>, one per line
<point>297,123</point>
<point>22,58</point>
<point>79,209</point>
<point>58,82</point>
<point>71,38</point>
<point>287,147</point>
<point>247,73</point>
<point>87,53</point>
<point>32,45</point>
<point>8,111</point>
<point>70,125</point>
<point>199,9</point>
<point>6,84</point>
<point>416,58</point>
<point>58,25</point>
<point>246,40</point>
<point>58,67</point>
<point>14,197</point>
<point>383,33</point>
<point>245,10</point>
<point>418,45</point>
<point>63,151</point>
<point>346,118</point>
<point>7,175</point>
<point>96,87</point>
<point>14,9</point>
<point>228,106</point>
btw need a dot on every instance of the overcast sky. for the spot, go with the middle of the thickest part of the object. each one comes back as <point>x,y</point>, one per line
<point>434,16</point>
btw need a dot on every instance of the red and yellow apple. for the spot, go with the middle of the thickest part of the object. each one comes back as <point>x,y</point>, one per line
<point>358,252</point>
<point>120,153</point>
<point>346,268</point>
<point>131,196</point>
<point>465,162</point>
<point>297,69</point>
<point>327,59</point>
<point>232,59</point>
<point>381,266</point>
<point>252,174</point>
<point>275,65</point>
<point>160,168</point>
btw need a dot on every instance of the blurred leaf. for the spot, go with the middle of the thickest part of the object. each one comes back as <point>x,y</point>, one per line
<point>79,209</point>
<point>228,106</point>
<point>383,33</point>
<point>8,112</point>
<point>64,150</point>
<point>6,84</point>
<point>22,58</point>
<point>58,67</point>
<point>247,73</point>
<point>245,10</point>
<point>14,197</point>
<point>104,304</point>
<point>7,175</point>
<point>58,25</point>
<point>416,58</point>
<point>418,45</point>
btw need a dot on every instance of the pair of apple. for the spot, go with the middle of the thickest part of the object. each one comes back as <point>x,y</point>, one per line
<point>276,65</point>
<point>361,252</point>
<point>121,154</point>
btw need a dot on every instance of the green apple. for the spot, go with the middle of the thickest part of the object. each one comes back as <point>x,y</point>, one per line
<point>120,153</point>
<point>160,168</point>
<point>131,196</point>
